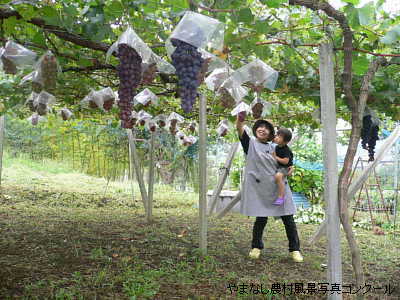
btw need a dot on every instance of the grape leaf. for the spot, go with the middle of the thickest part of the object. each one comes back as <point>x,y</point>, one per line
<point>392,36</point>
<point>245,15</point>
<point>366,14</point>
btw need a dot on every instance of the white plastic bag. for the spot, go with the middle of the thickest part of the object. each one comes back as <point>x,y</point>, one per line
<point>45,101</point>
<point>189,140</point>
<point>173,129</point>
<point>87,100</point>
<point>180,135</point>
<point>66,114</point>
<point>105,98</point>
<point>174,118</point>
<point>130,38</point>
<point>151,125</point>
<point>94,100</point>
<point>32,101</point>
<point>258,74</point>
<point>36,78</point>
<point>198,30</point>
<point>134,117</point>
<point>20,56</point>
<point>260,108</point>
<point>7,65</point>
<point>161,120</point>
<point>145,97</point>
<point>241,111</point>
<point>35,119</point>
<point>214,62</point>
<point>162,65</point>
<point>44,77</point>
<point>48,69</point>
<point>231,92</point>
<point>217,78</point>
<point>222,129</point>
<point>143,116</point>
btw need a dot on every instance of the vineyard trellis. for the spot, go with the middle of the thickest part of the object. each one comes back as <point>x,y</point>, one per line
<point>356,79</point>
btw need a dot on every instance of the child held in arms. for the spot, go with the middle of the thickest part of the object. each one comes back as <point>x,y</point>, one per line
<point>284,157</point>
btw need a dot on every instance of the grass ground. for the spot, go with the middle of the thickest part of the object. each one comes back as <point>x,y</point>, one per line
<point>65,235</point>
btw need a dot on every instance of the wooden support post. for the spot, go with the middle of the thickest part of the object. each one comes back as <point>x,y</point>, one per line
<point>2,127</point>
<point>149,212</point>
<point>328,118</point>
<point>227,208</point>
<point>223,177</point>
<point>203,173</point>
<point>358,183</point>
<point>138,172</point>
<point>396,180</point>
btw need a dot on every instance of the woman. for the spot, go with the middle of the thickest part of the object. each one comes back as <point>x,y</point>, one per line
<point>259,189</point>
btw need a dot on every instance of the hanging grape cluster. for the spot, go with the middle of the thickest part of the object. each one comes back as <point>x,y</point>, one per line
<point>130,73</point>
<point>226,99</point>
<point>257,110</point>
<point>369,136</point>
<point>242,116</point>
<point>49,69</point>
<point>8,66</point>
<point>188,63</point>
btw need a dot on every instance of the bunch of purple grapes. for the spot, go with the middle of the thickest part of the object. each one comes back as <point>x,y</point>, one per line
<point>369,136</point>
<point>187,62</point>
<point>130,75</point>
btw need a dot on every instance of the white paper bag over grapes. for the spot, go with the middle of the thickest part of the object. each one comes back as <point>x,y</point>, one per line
<point>175,118</point>
<point>20,56</point>
<point>143,116</point>
<point>32,101</point>
<point>257,73</point>
<point>161,120</point>
<point>66,114</point>
<point>217,77</point>
<point>145,97</point>
<point>199,31</point>
<point>223,127</point>
<point>45,74</point>
<point>241,111</point>
<point>193,33</point>
<point>232,92</point>
<point>151,125</point>
<point>260,108</point>
<point>130,38</point>
<point>34,119</point>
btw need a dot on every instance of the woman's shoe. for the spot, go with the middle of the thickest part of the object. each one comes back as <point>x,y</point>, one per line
<point>255,253</point>
<point>296,256</point>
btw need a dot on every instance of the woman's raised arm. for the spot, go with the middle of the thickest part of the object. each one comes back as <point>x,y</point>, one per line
<point>239,126</point>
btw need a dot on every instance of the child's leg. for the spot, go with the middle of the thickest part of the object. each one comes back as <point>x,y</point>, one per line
<point>281,186</point>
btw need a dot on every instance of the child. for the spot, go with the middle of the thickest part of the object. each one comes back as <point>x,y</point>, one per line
<point>284,157</point>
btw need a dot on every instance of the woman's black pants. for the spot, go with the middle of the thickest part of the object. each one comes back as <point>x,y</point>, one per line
<point>290,227</point>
